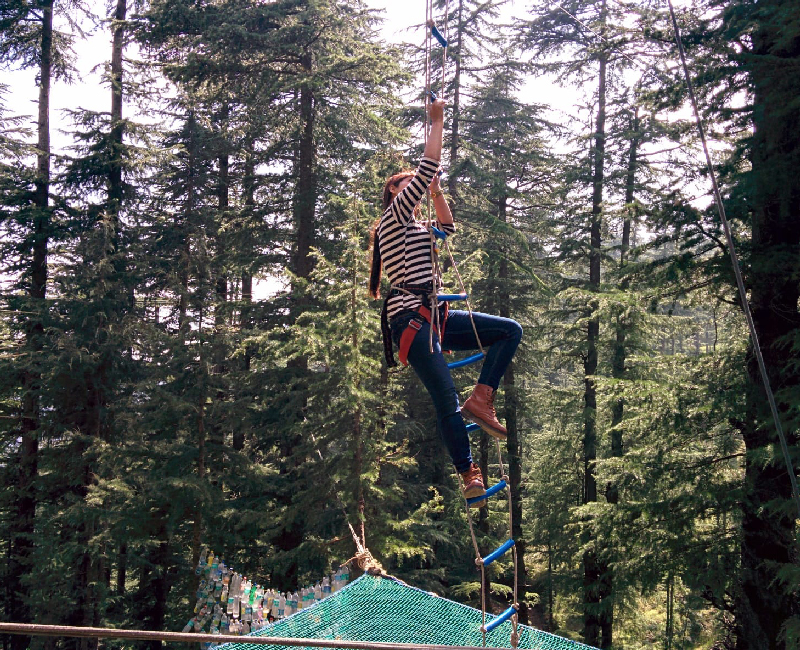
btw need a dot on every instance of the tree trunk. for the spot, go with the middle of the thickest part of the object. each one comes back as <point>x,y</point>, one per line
<point>216,416</point>
<point>594,618</point>
<point>155,583</point>
<point>618,373</point>
<point>96,417</point>
<point>620,347</point>
<point>122,569</point>
<point>305,194</point>
<point>115,189</point>
<point>483,516</point>
<point>304,209</point>
<point>245,320</point>
<point>358,473</point>
<point>23,524</point>
<point>513,443</point>
<point>185,228</point>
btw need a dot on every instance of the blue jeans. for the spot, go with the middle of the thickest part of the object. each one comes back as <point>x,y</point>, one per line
<point>500,335</point>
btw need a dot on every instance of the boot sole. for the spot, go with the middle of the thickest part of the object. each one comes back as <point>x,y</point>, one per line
<point>483,425</point>
<point>476,492</point>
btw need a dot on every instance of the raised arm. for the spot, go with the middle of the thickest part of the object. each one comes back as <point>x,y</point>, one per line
<point>403,205</point>
<point>433,148</point>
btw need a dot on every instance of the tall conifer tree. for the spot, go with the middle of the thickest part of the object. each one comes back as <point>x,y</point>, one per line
<point>27,38</point>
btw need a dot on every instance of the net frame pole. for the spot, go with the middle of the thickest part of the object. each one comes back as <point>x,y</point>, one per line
<point>32,629</point>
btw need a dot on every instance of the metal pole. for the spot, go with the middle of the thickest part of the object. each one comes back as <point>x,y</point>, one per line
<point>31,629</point>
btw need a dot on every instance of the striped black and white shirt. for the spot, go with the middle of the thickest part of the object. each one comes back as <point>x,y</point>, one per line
<point>404,241</point>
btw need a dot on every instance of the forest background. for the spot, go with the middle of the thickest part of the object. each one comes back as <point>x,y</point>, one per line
<point>153,402</point>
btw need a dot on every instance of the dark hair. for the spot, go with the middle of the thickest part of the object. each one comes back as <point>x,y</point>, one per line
<point>375,269</point>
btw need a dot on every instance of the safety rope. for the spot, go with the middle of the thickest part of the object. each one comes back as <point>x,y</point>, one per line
<point>433,304</point>
<point>466,300</point>
<point>363,557</point>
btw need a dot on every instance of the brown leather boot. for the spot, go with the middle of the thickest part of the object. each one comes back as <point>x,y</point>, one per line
<point>479,408</point>
<point>473,485</point>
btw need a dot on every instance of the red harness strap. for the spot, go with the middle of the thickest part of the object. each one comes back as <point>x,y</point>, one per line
<point>413,327</point>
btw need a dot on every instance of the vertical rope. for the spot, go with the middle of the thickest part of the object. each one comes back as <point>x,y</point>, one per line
<point>464,291</point>
<point>515,597</point>
<point>483,603</point>
<point>479,563</point>
<point>446,38</point>
<point>432,302</point>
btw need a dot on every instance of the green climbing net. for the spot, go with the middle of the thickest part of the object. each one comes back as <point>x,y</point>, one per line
<point>383,610</point>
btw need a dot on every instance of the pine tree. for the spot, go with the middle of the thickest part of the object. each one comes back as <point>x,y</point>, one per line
<point>769,545</point>
<point>291,94</point>
<point>505,173</point>
<point>754,188</point>
<point>16,190</point>
<point>595,35</point>
<point>27,38</point>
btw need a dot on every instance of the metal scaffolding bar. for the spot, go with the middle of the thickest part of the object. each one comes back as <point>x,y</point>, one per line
<point>32,629</point>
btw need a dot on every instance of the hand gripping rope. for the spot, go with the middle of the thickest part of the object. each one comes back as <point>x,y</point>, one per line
<point>437,236</point>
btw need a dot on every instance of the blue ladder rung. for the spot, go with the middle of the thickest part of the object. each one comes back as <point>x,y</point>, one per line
<point>490,492</point>
<point>473,427</point>
<point>449,297</point>
<point>467,361</point>
<point>494,555</point>
<point>502,618</point>
<point>495,488</point>
<point>440,234</point>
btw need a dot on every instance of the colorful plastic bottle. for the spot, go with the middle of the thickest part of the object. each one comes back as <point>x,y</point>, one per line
<point>274,607</point>
<point>202,562</point>
<point>282,606</point>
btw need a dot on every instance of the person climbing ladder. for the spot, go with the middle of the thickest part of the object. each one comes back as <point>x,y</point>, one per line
<point>402,244</point>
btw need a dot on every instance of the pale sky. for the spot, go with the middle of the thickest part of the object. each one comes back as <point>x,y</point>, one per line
<point>86,90</point>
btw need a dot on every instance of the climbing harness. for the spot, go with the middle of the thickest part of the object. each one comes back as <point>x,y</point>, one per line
<point>415,325</point>
<point>437,319</point>
<point>423,291</point>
